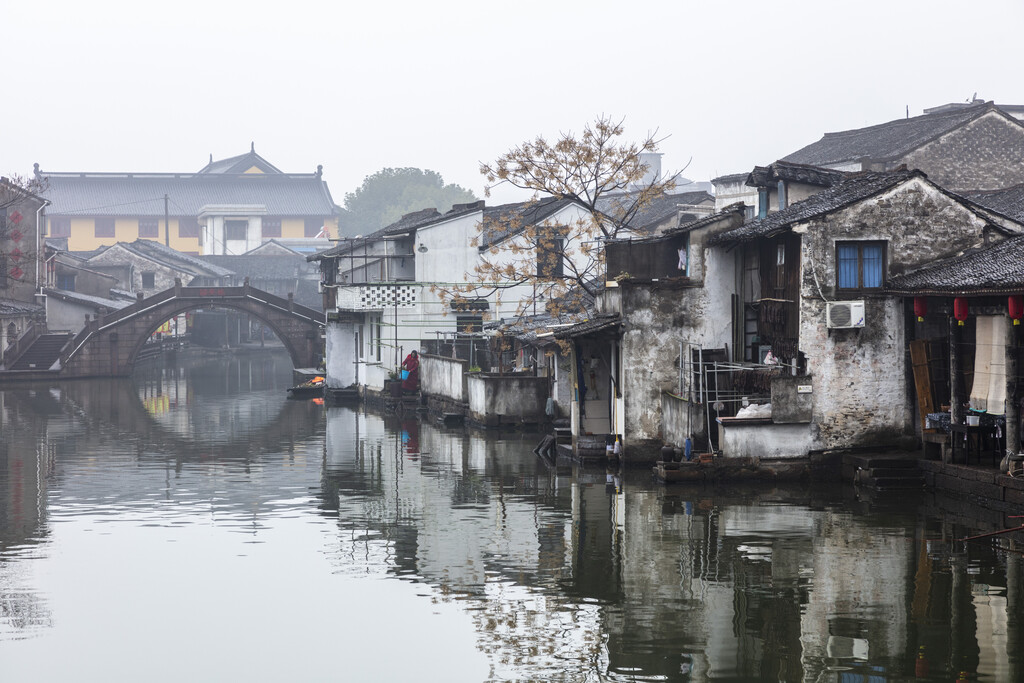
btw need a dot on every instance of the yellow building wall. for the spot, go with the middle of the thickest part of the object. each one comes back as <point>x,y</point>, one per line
<point>83,235</point>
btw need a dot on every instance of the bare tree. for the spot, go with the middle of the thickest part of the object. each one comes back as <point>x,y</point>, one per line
<point>560,263</point>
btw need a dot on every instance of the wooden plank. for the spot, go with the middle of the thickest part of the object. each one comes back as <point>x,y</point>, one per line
<point>922,378</point>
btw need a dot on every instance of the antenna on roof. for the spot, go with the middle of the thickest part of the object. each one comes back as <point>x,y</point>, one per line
<point>211,157</point>
<point>908,111</point>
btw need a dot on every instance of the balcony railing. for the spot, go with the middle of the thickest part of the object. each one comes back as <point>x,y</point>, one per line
<point>378,296</point>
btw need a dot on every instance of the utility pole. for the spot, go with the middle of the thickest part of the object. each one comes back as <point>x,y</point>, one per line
<point>167,223</point>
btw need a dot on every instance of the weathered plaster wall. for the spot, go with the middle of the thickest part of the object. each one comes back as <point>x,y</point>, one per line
<point>861,394</point>
<point>680,419</point>
<point>507,399</point>
<point>986,154</point>
<point>738,440</point>
<point>657,318</point>
<point>341,355</point>
<point>444,377</point>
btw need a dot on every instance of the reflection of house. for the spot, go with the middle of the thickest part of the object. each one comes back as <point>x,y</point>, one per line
<point>227,207</point>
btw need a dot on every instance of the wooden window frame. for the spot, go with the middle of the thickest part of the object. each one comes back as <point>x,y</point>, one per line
<point>860,244</point>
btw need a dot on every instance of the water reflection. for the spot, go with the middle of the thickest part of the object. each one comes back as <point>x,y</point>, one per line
<point>197,499</point>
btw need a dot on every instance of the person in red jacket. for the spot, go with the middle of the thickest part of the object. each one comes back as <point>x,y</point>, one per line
<point>411,365</point>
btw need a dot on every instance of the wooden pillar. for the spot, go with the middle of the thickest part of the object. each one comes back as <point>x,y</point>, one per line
<point>956,401</point>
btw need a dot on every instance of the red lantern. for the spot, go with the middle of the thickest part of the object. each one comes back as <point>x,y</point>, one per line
<point>920,308</point>
<point>960,310</point>
<point>1016,306</point>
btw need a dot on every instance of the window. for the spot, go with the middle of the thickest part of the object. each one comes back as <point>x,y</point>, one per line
<point>104,227</point>
<point>188,227</point>
<point>314,226</point>
<point>149,227</point>
<point>66,281</point>
<point>148,280</point>
<point>860,265</point>
<point>271,227</point>
<point>549,258</point>
<point>60,227</point>
<point>235,230</point>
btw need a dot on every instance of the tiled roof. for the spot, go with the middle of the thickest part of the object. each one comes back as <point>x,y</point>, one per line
<point>240,163</point>
<point>660,208</point>
<point>1008,201</point>
<point>726,212</point>
<point>731,178</point>
<point>505,220</point>
<point>154,251</point>
<point>88,300</point>
<point>853,189</point>
<point>142,194</point>
<point>402,226</point>
<point>995,269</point>
<point>12,307</point>
<point>800,173</point>
<point>885,141</point>
<point>597,323</point>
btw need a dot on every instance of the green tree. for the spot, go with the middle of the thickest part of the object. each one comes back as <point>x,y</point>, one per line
<point>390,193</point>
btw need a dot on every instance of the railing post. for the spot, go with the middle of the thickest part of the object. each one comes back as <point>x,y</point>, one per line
<point>291,302</point>
<point>177,286</point>
<point>139,296</point>
<point>245,286</point>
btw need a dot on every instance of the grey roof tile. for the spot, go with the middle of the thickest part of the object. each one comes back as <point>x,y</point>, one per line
<point>1008,201</point>
<point>995,269</point>
<point>885,141</point>
<point>142,194</point>
<point>853,189</point>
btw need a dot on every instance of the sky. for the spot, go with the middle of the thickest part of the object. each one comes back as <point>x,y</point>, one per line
<point>114,85</point>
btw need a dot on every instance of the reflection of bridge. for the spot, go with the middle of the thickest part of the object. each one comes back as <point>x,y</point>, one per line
<point>109,345</point>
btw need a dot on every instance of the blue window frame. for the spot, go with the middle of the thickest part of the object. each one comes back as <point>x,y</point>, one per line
<point>860,265</point>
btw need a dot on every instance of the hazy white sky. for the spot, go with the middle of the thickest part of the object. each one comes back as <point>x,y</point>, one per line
<point>119,85</point>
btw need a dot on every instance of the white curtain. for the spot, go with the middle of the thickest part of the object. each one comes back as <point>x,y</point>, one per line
<point>989,390</point>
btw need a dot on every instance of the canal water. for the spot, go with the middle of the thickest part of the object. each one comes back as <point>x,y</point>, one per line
<point>192,524</point>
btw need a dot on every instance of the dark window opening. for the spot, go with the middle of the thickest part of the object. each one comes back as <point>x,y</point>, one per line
<point>60,227</point>
<point>148,280</point>
<point>271,227</point>
<point>149,227</point>
<point>104,227</point>
<point>235,230</point>
<point>66,281</point>
<point>550,258</point>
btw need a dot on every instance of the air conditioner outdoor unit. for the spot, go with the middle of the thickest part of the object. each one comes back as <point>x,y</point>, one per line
<point>843,315</point>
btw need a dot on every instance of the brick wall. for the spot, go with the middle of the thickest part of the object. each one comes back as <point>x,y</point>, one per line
<point>986,154</point>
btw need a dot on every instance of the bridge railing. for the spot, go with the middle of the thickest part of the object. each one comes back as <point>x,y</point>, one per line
<point>206,294</point>
<point>22,343</point>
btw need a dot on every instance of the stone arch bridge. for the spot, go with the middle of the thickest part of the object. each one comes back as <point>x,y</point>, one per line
<point>109,345</point>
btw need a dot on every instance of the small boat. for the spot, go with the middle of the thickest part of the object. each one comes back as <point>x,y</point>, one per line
<point>313,388</point>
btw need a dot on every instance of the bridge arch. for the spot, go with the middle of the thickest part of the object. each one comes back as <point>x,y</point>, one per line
<point>109,346</point>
